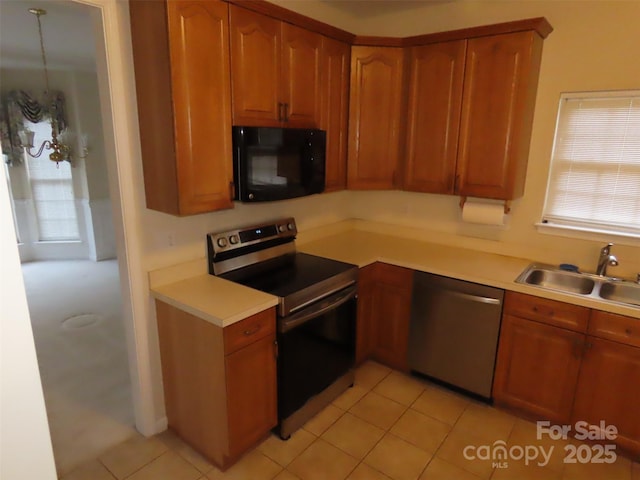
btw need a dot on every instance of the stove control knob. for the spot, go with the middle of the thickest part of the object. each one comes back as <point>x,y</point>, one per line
<point>233,239</point>
<point>282,228</point>
<point>222,242</point>
<point>291,226</point>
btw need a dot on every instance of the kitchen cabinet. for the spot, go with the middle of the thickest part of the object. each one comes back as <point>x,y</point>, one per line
<point>470,113</point>
<point>219,383</point>
<point>375,118</point>
<point>436,74</point>
<point>336,61</point>
<point>566,364</point>
<point>500,84</point>
<point>384,307</point>
<point>181,60</point>
<point>275,71</point>
<point>609,385</point>
<point>537,337</point>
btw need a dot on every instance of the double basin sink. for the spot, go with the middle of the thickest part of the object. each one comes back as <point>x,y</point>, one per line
<point>582,284</point>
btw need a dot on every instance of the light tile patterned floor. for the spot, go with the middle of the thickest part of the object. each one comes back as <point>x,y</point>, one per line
<point>389,426</point>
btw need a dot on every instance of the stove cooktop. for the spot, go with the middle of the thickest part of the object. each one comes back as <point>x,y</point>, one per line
<point>294,278</point>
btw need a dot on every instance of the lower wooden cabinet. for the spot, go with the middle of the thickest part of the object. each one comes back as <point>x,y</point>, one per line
<point>588,371</point>
<point>609,385</point>
<point>384,310</point>
<point>219,384</point>
<point>527,374</point>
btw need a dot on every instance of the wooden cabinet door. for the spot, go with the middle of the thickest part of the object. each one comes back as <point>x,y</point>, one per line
<point>609,388</point>
<point>199,51</point>
<point>255,68</point>
<point>435,99</point>
<point>181,59</point>
<point>367,310</point>
<point>335,110</point>
<point>301,63</point>
<point>500,84</point>
<point>537,368</point>
<point>392,303</point>
<point>375,117</point>
<point>251,393</point>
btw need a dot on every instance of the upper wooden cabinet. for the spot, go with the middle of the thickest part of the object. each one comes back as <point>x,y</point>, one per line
<point>435,98</point>
<point>336,61</point>
<point>500,84</point>
<point>470,111</point>
<point>181,60</point>
<point>275,71</point>
<point>375,117</point>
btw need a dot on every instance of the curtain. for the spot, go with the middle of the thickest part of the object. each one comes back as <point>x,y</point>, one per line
<point>19,105</point>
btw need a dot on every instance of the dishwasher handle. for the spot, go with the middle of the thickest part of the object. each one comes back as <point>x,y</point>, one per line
<point>473,298</point>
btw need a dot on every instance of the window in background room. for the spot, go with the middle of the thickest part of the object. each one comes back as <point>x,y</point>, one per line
<point>594,178</point>
<point>52,192</point>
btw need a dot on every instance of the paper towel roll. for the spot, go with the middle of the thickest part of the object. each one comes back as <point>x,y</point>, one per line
<point>483,213</point>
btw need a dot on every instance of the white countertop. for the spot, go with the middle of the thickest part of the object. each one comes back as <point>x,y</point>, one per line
<point>222,302</point>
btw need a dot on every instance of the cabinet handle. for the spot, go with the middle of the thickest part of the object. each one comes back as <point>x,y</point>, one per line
<point>543,311</point>
<point>232,190</point>
<point>628,331</point>
<point>276,350</point>
<point>286,112</point>
<point>280,117</point>
<point>252,331</point>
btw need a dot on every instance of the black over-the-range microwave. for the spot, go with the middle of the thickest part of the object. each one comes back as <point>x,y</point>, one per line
<point>277,163</point>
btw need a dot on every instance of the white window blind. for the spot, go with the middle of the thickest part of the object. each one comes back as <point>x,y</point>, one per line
<point>52,192</point>
<point>594,179</point>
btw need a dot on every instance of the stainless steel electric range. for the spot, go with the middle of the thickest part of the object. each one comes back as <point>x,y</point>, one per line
<point>316,321</point>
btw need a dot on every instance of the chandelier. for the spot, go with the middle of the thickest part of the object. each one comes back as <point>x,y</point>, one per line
<point>60,151</point>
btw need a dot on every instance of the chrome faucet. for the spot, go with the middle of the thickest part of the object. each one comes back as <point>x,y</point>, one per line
<point>605,260</point>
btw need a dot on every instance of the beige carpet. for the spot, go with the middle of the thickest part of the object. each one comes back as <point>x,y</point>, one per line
<point>75,309</point>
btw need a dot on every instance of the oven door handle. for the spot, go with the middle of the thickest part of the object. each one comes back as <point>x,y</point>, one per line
<point>319,308</point>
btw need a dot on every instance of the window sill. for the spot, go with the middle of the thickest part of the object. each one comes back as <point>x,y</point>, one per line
<point>584,233</point>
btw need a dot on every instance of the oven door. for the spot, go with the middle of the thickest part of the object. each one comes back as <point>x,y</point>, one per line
<point>316,346</point>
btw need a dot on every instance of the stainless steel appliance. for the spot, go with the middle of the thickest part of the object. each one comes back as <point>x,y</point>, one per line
<point>316,318</point>
<point>277,163</point>
<point>454,331</point>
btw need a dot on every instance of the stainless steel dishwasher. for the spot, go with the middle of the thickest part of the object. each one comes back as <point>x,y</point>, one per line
<point>454,331</point>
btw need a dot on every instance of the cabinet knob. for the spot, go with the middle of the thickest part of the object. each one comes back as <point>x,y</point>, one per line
<point>251,331</point>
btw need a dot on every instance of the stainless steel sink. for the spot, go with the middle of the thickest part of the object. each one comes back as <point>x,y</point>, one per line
<point>583,284</point>
<point>623,292</point>
<point>560,280</point>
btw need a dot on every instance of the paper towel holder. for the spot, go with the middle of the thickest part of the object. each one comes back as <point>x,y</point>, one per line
<point>507,204</point>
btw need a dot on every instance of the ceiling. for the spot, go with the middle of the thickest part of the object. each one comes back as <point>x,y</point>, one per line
<point>67,29</point>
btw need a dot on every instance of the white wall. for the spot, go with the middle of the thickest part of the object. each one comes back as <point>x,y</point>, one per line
<point>25,444</point>
<point>594,46</point>
<point>90,178</point>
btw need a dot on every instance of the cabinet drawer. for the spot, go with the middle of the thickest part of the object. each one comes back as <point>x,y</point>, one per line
<point>615,327</point>
<point>249,330</point>
<point>551,312</point>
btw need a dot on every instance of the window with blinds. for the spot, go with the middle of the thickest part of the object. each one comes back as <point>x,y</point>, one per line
<point>594,179</point>
<point>52,192</point>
